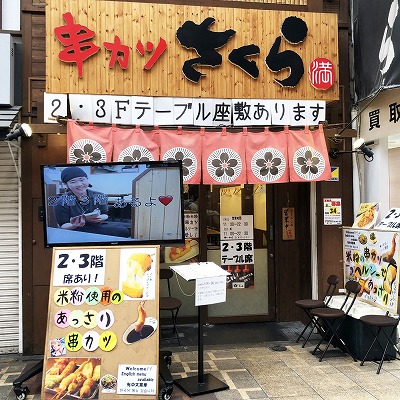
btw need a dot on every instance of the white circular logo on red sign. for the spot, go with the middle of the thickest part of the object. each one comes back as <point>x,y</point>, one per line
<point>321,73</point>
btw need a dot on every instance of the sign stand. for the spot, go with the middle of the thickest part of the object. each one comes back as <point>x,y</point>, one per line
<point>202,383</point>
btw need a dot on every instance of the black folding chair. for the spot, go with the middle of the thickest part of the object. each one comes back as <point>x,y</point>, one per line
<point>308,304</point>
<point>332,319</point>
<point>378,324</point>
<point>170,303</point>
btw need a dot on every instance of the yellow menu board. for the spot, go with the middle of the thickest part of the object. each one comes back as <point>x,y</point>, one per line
<point>102,336</point>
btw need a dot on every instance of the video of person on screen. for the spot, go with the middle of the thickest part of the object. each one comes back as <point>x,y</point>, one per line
<point>113,202</point>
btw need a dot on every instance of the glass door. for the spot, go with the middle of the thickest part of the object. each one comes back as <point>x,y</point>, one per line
<point>248,293</point>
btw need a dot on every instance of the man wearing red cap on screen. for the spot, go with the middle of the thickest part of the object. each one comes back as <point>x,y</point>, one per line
<point>84,209</point>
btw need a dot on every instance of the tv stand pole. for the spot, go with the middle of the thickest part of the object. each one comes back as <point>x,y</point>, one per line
<point>202,383</point>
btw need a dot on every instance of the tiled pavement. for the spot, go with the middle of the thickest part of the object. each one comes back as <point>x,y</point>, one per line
<point>270,370</point>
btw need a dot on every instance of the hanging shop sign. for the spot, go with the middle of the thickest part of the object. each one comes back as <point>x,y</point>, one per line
<point>288,224</point>
<point>370,257</point>
<point>188,252</point>
<point>191,225</point>
<point>125,52</point>
<point>102,326</point>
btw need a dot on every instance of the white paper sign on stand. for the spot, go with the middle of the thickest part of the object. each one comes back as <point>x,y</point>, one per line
<point>210,289</point>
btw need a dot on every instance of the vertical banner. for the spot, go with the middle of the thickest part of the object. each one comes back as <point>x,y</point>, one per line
<point>288,224</point>
<point>102,335</point>
<point>382,49</point>
<point>88,143</point>
<point>237,250</point>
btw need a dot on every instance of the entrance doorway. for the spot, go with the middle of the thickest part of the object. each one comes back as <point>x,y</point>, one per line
<point>266,289</point>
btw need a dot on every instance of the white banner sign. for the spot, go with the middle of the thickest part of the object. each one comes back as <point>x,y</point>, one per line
<point>150,111</point>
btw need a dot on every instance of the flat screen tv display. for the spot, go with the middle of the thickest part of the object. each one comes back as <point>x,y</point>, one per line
<point>113,203</point>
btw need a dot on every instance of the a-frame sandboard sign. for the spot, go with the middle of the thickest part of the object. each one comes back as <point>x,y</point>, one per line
<point>102,338</point>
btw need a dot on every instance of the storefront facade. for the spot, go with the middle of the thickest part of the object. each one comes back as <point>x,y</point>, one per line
<point>284,270</point>
<point>375,112</point>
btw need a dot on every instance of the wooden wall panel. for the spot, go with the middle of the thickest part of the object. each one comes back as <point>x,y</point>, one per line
<point>133,21</point>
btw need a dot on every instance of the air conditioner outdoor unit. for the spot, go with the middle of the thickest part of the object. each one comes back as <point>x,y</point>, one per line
<point>6,69</point>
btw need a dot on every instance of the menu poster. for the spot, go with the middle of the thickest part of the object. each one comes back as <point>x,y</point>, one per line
<point>236,227</point>
<point>102,328</point>
<point>370,258</point>
<point>367,215</point>
<point>237,250</point>
<point>333,211</point>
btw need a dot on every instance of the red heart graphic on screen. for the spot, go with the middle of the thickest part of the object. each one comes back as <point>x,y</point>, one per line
<point>165,199</point>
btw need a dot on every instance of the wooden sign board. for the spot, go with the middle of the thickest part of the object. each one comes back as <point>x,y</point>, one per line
<point>370,257</point>
<point>288,224</point>
<point>102,336</point>
<point>148,33</point>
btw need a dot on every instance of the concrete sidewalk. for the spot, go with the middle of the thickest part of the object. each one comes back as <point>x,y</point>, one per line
<point>272,370</point>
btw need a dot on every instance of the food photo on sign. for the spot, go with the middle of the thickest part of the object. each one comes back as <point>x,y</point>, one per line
<point>142,328</point>
<point>177,254</point>
<point>367,215</point>
<point>72,378</point>
<point>137,280</point>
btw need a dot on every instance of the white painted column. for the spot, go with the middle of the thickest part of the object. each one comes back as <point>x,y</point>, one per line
<point>376,176</point>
